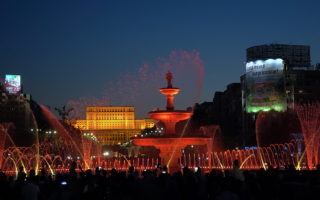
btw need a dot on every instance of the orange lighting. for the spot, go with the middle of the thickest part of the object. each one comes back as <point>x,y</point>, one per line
<point>112,124</point>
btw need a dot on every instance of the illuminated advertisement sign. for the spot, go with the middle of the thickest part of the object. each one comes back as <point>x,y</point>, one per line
<point>265,88</point>
<point>13,83</point>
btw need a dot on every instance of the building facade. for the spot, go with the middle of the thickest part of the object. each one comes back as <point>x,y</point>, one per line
<point>16,109</point>
<point>300,79</point>
<point>295,56</point>
<point>112,125</point>
<point>111,117</point>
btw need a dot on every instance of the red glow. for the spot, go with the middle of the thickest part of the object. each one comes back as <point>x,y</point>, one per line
<point>169,119</point>
<point>171,144</point>
<point>309,116</point>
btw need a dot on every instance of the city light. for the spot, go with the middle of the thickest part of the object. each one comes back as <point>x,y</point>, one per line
<point>104,109</point>
<point>90,136</point>
<point>264,86</point>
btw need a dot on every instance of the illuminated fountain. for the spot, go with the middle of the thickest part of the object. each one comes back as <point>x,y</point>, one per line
<point>309,116</point>
<point>281,156</point>
<point>3,135</point>
<point>171,143</point>
<point>53,149</point>
<point>57,153</point>
<point>91,150</point>
<point>83,146</point>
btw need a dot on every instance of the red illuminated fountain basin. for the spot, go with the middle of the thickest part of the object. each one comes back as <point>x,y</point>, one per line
<point>171,147</point>
<point>170,118</point>
<point>171,143</point>
<point>169,91</point>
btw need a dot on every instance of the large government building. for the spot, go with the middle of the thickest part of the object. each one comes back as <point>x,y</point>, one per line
<point>112,124</point>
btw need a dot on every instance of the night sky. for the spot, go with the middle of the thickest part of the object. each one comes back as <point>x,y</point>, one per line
<point>70,49</point>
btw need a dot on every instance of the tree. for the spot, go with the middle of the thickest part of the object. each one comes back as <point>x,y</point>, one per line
<point>63,112</point>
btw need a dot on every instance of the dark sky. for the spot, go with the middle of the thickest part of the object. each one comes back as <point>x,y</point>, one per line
<point>70,49</point>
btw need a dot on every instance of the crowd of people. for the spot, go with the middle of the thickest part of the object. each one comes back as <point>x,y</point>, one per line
<point>189,184</point>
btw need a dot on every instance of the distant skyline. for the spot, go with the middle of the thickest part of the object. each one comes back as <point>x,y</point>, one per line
<point>65,50</point>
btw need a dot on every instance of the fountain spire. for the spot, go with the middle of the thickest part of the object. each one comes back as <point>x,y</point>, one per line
<point>171,143</point>
<point>169,78</point>
<point>169,91</point>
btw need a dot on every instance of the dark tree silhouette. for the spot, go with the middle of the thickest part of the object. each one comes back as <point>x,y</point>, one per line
<point>63,112</point>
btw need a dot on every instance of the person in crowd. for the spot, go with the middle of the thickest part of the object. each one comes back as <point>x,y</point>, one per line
<point>236,172</point>
<point>30,190</point>
<point>190,184</point>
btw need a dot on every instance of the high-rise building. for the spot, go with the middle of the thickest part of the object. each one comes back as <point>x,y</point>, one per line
<point>112,124</point>
<point>302,86</point>
<point>294,56</point>
<point>297,82</point>
<point>278,77</point>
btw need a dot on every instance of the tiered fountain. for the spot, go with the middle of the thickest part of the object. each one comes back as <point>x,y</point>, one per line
<point>171,143</point>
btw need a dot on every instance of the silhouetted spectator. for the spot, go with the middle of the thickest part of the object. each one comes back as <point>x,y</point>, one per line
<point>31,190</point>
<point>236,172</point>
